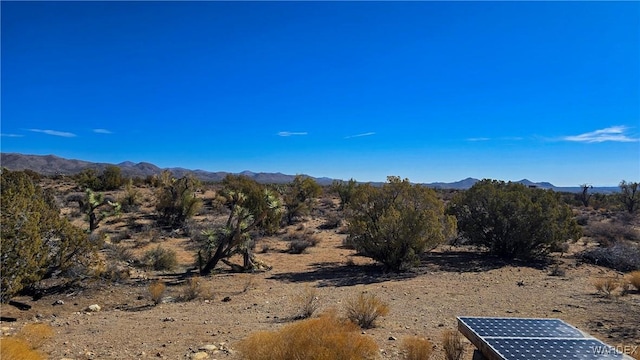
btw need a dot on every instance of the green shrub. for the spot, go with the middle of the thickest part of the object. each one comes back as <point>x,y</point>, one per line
<point>36,240</point>
<point>513,221</point>
<point>394,224</point>
<point>323,338</point>
<point>299,197</point>
<point>176,199</point>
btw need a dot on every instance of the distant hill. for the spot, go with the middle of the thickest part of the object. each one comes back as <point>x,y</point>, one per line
<point>51,165</point>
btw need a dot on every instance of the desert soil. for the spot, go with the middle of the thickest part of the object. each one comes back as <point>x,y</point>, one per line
<point>451,281</point>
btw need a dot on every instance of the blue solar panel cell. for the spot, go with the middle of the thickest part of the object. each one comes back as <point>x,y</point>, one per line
<point>519,327</point>
<point>569,349</point>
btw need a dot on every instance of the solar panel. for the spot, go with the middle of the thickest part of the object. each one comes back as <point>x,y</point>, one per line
<point>533,339</point>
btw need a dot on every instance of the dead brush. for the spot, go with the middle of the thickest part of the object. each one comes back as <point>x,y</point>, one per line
<point>324,338</point>
<point>24,345</point>
<point>452,345</point>
<point>634,279</point>
<point>194,289</point>
<point>606,286</point>
<point>416,348</point>
<point>307,303</point>
<point>365,309</point>
<point>156,290</point>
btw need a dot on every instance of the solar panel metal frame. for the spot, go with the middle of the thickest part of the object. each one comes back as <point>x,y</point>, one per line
<point>489,345</point>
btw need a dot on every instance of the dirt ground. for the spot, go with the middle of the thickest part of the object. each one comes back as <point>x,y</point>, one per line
<point>452,281</point>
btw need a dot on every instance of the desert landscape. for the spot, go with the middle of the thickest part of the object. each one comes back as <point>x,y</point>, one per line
<point>205,317</point>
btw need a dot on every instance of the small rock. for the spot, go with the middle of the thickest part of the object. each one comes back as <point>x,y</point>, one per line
<point>94,308</point>
<point>200,355</point>
<point>209,347</point>
<point>392,338</point>
<point>520,283</point>
<point>556,311</point>
<point>226,299</point>
<point>168,319</point>
<point>58,302</point>
<point>599,324</point>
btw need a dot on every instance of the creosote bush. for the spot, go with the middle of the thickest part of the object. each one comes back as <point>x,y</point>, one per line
<point>365,309</point>
<point>452,345</point>
<point>416,348</point>
<point>323,338</point>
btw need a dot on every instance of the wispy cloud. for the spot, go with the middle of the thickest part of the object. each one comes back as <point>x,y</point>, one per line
<point>290,133</point>
<point>11,135</point>
<point>614,133</point>
<point>54,132</point>
<point>102,131</point>
<point>478,139</point>
<point>359,135</point>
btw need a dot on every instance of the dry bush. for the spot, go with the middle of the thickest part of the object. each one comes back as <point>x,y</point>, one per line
<point>621,256</point>
<point>452,345</point>
<point>608,233</point>
<point>160,259</point>
<point>416,348</point>
<point>301,240</point>
<point>306,303</point>
<point>634,279</point>
<point>192,290</point>
<point>12,348</point>
<point>156,290</point>
<point>323,338</point>
<point>365,309</point>
<point>606,286</point>
<point>23,345</point>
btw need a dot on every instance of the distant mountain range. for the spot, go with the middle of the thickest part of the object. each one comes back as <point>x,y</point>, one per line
<point>51,165</point>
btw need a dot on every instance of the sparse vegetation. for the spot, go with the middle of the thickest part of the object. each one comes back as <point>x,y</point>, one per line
<point>323,338</point>
<point>345,191</point>
<point>416,348</point>
<point>621,256</point>
<point>452,345</point>
<point>394,224</point>
<point>513,221</point>
<point>195,289</point>
<point>630,196</point>
<point>365,309</point>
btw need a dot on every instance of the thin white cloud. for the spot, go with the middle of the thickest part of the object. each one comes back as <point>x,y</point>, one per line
<point>478,139</point>
<point>290,133</point>
<point>11,135</point>
<point>102,131</point>
<point>614,133</point>
<point>54,132</point>
<point>359,135</point>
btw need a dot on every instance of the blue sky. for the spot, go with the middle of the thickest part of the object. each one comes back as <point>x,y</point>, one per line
<point>431,91</point>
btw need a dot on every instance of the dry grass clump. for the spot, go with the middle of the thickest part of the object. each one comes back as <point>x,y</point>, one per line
<point>156,290</point>
<point>365,309</point>
<point>306,303</point>
<point>606,286</point>
<point>634,279</point>
<point>195,289</point>
<point>452,345</point>
<point>416,348</point>
<point>23,345</point>
<point>160,259</point>
<point>323,338</point>
<point>301,240</point>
